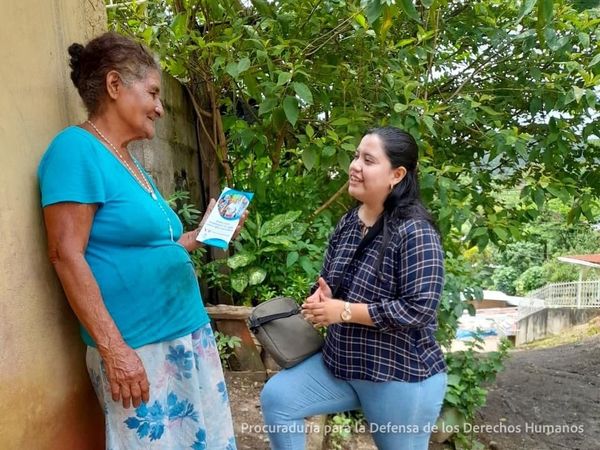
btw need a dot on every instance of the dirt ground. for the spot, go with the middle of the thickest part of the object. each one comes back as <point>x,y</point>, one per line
<point>545,399</point>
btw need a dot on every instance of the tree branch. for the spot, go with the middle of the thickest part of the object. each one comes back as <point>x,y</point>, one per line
<point>332,199</point>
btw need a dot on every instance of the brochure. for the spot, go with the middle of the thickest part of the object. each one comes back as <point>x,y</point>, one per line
<point>224,218</point>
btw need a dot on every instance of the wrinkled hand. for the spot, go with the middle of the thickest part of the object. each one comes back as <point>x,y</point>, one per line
<point>209,208</point>
<point>238,229</point>
<point>188,240</point>
<point>126,375</point>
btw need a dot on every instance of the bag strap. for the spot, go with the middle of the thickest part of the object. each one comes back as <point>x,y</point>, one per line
<point>256,322</point>
<point>371,234</point>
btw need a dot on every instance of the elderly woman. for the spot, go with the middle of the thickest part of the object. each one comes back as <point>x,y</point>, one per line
<point>122,258</point>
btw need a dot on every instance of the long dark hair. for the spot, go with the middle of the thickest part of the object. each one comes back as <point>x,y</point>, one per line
<point>404,200</point>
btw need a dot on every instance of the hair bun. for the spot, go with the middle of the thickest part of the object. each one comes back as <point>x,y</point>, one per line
<point>75,52</point>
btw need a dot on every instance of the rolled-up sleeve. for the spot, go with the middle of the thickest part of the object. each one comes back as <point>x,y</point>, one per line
<point>420,281</point>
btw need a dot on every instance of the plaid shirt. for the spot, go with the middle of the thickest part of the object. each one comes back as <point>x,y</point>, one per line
<point>402,300</point>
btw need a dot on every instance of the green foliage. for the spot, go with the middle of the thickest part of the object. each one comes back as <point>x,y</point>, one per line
<point>459,289</point>
<point>531,279</point>
<point>226,346</point>
<point>524,266</point>
<point>504,279</point>
<point>187,212</point>
<point>342,426</point>
<point>469,372</point>
<point>280,256</point>
<point>474,82</point>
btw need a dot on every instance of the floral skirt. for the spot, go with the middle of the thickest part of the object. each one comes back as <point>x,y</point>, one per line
<point>188,407</point>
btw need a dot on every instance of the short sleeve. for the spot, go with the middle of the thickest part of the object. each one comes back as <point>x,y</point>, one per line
<point>69,171</point>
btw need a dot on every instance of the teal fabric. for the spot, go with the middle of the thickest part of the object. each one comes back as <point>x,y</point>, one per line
<point>148,283</point>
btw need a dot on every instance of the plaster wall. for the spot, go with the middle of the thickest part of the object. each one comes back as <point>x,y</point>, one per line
<point>47,400</point>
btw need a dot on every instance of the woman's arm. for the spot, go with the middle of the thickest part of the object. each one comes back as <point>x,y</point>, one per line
<point>68,227</point>
<point>420,279</point>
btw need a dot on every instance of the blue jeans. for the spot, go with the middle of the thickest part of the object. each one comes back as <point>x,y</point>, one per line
<point>400,415</point>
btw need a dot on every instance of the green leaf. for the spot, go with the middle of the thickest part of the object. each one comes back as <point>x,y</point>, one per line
<point>284,241</point>
<point>263,7</point>
<point>279,222</point>
<point>595,60</point>
<point>360,19</point>
<point>427,3</point>
<point>489,110</point>
<point>409,9</point>
<point>405,42</point>
<point>303,92</point>
<point>283,78</point>
<point>428,121</point>
<point>278,118</point>
<point>545,12</point>
<point>256,276</point>
<point>309,158</point>
<point>307,265</point>
<point>535,105</point>
<point>526,8</point>
<point>179,25</point>
<point>453,379</point>
<point>328,150</point>
<point>235,69</point>
<point>373,10</point>
<point>344,161</point>
<point>239,281</point>
<point>578,93</point>
<point>310,132</point>
<point>340,122</point>
<point>290,107</point>
<point>291,259</point>
<point>241,259</point>
<point>502,233</point>
<point>267,106</point>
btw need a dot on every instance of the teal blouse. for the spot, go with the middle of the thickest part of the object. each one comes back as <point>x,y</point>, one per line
<point>148,282</point>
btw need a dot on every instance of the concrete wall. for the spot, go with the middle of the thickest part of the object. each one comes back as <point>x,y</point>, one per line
<point>552,321</point>
<point>46,398</point>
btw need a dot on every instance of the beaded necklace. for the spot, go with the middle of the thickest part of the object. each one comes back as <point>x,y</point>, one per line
<point>143,182</point>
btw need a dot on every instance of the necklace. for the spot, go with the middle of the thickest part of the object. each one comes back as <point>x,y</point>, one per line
<point>143,182</point>
<point>363,228</point>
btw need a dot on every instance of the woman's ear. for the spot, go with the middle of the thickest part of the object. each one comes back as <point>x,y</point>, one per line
<point>113,84</point>
<point>399,174</point>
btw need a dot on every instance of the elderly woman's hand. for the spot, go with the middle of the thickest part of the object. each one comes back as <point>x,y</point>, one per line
<point>188,240</point>
<point>126,375</point>
<point>238,229</point>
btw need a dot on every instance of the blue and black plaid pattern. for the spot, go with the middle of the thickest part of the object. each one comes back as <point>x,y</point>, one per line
<point>402,298</point>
